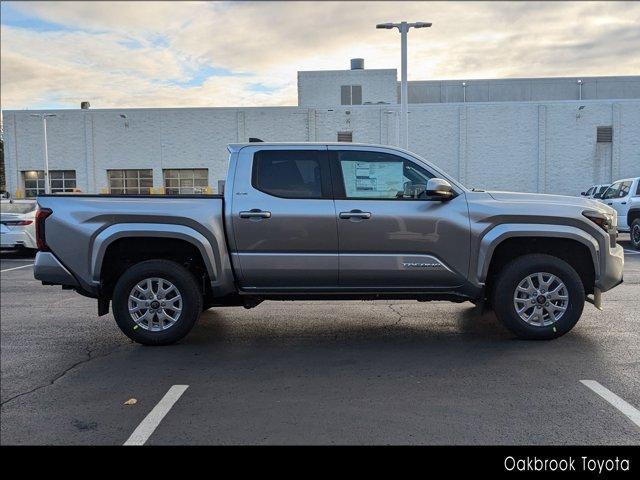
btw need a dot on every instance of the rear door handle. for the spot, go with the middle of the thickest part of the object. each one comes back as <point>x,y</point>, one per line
<point>355,214</point>
<point>255,213</point>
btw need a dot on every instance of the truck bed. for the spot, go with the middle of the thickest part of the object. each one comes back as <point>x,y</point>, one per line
<point>82,226</point>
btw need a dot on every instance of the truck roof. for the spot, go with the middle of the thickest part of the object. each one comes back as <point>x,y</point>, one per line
<point>234,147</point>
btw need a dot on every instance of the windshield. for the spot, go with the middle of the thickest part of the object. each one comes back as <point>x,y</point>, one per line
<point>17,207</point>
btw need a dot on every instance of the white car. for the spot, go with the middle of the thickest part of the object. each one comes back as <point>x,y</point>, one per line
<point>595,191</point>
<point>17,224</point>
<point>618,196</point>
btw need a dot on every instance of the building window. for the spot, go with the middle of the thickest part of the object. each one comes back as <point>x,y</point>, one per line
<point>351,94</point>
<point>185,181</point>
<point>62,181</point>
<point>33,183</point>
<point>130,182</point>
<point>59,180</point>
<point>345,136</point>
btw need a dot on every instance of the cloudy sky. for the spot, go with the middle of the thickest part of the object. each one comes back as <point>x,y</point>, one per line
<point>146,54</point>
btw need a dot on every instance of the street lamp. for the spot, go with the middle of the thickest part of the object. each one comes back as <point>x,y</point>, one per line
<point>404,27</point>
<point>44,116</point>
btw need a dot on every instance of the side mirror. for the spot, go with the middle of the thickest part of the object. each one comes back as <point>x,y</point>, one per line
<point>584,194</point>
<point>439,187</point>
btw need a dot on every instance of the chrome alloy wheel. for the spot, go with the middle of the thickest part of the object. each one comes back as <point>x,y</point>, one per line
<point>541,299</point>
<point>155,304</point>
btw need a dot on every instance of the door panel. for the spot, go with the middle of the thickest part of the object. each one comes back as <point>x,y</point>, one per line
<point>391,235</point>
<point>283,243</point>
<point>404,243</point>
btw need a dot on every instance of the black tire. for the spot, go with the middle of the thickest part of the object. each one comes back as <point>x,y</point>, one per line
<point>635,234</point>
<point>514,272</point>
<point>175,273</point>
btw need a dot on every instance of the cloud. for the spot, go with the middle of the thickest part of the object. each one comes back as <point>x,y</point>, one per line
<point>149,54</point>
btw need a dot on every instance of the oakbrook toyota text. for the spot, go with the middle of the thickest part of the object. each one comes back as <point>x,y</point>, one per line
<point>569,464</point>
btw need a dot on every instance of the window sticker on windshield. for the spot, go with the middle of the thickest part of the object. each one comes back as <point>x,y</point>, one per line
<point>372,179</point>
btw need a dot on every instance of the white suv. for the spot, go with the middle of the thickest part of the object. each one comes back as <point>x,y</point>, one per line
<point>619,195</point>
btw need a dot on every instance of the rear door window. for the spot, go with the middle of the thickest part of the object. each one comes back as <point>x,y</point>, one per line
<point>292,173</point>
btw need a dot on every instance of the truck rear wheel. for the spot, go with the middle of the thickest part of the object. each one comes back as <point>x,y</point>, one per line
<point>156,302</point>
<point>538,297</point>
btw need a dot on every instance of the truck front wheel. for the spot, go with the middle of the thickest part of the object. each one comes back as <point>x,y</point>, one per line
<point>156,302</point>
<point>538,297</point>
<point>635,234</point>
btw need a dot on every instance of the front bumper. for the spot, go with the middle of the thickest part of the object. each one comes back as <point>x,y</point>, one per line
<point>611,271</point>
<point>50,271</point>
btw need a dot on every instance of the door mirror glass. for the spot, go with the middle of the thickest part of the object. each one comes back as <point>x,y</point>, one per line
<point>439,187</point>
<point>584,194</point>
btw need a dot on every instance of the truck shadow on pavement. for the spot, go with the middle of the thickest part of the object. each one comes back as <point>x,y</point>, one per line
<point>464,328</point>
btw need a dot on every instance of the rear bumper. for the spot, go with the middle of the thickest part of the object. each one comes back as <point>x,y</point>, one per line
<point>49,270</point>
<point>612,269</point>
<point>12,239</point>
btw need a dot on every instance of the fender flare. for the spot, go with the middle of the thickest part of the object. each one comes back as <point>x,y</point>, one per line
<point>502,232</point>
<point>127,230</point>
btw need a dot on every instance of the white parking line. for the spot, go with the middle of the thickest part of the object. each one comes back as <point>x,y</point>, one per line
<point>631,252</point>
<point>141,434</point>
<point>626,408</point>
<point>16,268</point>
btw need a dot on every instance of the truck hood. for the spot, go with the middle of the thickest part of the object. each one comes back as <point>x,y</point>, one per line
<point>542,198</point>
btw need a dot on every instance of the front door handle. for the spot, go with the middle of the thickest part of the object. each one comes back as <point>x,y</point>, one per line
<point>255,213</point>
<point>355,214</point>
<point>623,203</point>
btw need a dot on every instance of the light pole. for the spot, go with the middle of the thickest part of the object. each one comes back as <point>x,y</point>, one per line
<point>404,27</point>
<point>44,116</point>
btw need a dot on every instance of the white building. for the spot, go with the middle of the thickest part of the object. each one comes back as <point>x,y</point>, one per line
<point>553,135</point>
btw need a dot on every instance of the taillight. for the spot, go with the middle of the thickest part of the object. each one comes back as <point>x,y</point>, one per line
<point>41,215</point>
<point>12,223</point>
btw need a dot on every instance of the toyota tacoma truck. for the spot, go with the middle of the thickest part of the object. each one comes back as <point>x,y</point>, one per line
<point>312,221</point>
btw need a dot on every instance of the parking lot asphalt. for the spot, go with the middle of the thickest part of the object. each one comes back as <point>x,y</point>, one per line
<point>314,373</point>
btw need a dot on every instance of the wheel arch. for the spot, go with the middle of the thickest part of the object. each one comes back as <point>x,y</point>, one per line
<point>109,235</point>
<point>542,237</point>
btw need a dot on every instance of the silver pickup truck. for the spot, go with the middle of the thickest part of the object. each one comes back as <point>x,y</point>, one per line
<point>309,221</point>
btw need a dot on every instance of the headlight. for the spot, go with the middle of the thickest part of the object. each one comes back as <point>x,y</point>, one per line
<point>606,221</point>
